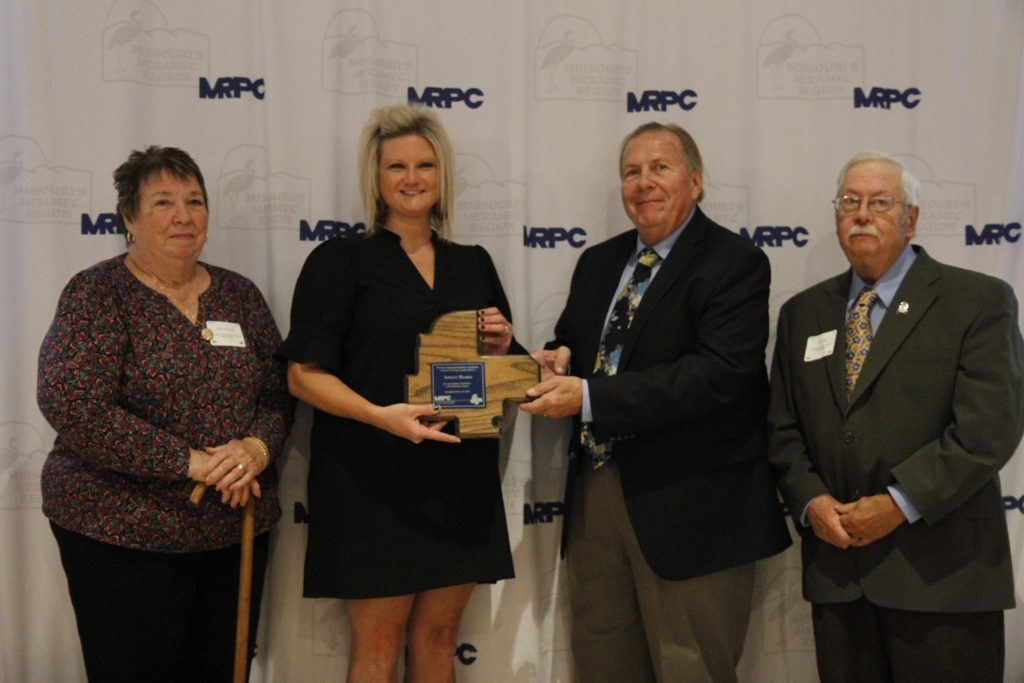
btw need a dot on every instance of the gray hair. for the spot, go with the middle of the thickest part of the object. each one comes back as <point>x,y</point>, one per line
<point>911,185</point>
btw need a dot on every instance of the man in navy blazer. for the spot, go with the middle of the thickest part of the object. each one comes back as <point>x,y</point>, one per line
<point>661,536</point>
<point>888,456</point>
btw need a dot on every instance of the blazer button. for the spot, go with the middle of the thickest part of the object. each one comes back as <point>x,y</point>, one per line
<point>848,437</point>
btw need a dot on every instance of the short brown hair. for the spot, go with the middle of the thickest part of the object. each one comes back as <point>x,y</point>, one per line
<point>142,166</point>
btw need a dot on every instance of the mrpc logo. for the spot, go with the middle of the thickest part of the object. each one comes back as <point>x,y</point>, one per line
<point>776,236</point>
<point>885,98</point>
<point>466,653</point>
<point>231,87</point>
<point>549,238</point>
<point>444,98</point>
<point>992,233</point>
<point>660,100</point>
<point>103,224</point>
<point>325,229</point>
<point>542,512</point>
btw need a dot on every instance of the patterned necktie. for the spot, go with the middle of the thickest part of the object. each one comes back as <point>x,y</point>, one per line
<point>610,348</point>
<point>858,336</point>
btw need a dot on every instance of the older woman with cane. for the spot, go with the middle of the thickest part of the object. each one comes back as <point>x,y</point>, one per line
<point>158,372</point>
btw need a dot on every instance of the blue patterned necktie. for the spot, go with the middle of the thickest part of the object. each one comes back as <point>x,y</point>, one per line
<point>858,336</point>
<point>610,348</point>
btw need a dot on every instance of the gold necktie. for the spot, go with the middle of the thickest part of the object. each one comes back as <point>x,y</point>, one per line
<point>858,336</point>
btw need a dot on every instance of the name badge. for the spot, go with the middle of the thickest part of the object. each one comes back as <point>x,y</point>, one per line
<point>820,346</point>
<point>225,333</point>
<point>458,385</point>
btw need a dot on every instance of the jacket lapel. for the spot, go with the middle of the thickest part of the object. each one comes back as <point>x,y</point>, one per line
<point>917,291</point>
<point>670,271</point>
<point>831,315</point>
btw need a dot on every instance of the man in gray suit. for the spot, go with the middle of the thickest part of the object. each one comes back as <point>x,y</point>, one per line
<point>897,395</point>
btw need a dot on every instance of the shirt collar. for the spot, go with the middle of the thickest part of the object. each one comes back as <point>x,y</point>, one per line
<point>886,285</point>
<point>664,246</point>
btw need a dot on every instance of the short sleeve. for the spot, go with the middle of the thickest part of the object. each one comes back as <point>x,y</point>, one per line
<point>322,305</point>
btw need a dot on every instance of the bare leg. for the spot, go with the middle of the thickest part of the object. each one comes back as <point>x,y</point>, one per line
<point>433,628</point>
<point>378,626</point>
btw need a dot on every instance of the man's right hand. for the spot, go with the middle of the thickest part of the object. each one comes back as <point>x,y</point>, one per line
<point>824,519</point>
<point>552,362</point>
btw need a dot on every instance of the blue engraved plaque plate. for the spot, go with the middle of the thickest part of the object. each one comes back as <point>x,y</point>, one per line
<point>458,385</point>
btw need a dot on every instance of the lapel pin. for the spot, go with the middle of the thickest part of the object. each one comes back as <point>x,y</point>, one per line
<point>903,308</point>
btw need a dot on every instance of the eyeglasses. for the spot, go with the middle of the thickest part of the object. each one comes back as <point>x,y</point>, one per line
<point>849,203</point>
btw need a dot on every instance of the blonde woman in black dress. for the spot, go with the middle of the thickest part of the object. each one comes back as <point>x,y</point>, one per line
<point>404,519</point>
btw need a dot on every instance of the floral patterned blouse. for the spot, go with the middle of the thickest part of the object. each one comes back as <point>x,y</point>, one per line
<point>129,384</point>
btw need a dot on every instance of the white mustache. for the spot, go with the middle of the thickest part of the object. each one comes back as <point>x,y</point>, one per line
<point>869,230</point>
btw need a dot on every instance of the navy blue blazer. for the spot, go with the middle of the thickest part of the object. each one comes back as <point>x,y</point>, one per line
<point>686,409</point>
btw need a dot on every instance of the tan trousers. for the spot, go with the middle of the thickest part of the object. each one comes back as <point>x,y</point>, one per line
<point>628,624</point>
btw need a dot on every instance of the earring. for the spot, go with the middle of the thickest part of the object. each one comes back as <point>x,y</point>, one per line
<point>129,237</point>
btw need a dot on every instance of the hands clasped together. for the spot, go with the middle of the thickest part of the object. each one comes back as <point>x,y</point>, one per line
<point>855,524</point>
<point>231,467</point>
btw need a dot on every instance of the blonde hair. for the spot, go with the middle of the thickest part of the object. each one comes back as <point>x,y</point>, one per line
<point>392,122</point>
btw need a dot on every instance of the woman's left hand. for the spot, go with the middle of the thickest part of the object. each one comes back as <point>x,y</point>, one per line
<point>234,468</point>
<point>495,332</point>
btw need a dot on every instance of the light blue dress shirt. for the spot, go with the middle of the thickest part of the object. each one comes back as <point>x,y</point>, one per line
<point>663,248</point>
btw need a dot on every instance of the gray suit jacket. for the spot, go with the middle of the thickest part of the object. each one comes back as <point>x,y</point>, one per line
<point>938,408</point>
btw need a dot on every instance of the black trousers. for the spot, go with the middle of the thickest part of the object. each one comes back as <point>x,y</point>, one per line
<point>147,616</point>
<point>858,642</point>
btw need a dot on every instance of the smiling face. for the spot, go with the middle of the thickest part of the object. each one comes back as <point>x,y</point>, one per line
<point>171,220</point>
<point>408,178</point>
<point>658,191</point>
<point>873,241</point>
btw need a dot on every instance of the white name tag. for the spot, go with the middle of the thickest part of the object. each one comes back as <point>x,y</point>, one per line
<point>225,333</point>
<point>820,346</point>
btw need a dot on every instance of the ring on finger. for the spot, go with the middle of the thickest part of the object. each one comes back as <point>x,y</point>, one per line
<point>239,466</point>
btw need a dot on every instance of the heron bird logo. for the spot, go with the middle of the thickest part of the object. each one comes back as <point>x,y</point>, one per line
<point>20,444</point>
<point>779,55</point>
<point>555,55</point>
<point>346,43</point>
<point>240,182</point>
<point>127,32</point>
<point>10,169</point>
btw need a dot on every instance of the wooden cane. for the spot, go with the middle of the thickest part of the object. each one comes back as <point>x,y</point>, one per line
<point>244,591</point>
<point>197,493</point>
<point>244,583</point>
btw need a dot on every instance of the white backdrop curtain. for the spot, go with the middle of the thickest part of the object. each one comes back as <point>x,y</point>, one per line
<point>778,95</point>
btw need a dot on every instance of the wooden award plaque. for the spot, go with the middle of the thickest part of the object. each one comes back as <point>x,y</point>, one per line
<point>471,389</point>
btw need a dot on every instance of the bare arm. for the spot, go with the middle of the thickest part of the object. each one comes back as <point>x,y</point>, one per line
<point>328,393</point>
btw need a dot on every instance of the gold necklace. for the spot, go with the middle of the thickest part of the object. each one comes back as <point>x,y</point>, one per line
<point>205,332</point>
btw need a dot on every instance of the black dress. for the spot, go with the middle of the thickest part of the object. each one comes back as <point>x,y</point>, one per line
<point>386,516</point>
